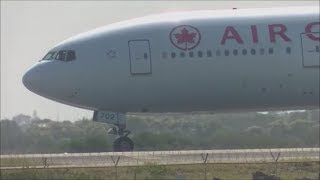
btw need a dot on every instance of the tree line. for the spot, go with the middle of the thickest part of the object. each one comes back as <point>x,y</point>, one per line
<point>26,134</point>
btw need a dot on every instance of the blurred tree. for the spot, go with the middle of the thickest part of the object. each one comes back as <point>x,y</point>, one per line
<point>24,134</point>
<point>12,138</point>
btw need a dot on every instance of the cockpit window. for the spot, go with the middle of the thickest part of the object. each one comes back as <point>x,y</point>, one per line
<point>49,56</point>
<point>66,55</point>
<point>61,55</point>
<point>71,55</point>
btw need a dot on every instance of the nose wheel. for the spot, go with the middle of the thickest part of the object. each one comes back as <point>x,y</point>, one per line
<point>123,142</point>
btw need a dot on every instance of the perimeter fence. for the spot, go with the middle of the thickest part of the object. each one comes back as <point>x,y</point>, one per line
<point>116,159</point>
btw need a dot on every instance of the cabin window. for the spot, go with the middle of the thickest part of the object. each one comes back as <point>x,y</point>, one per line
<point>173,55</point>
<point>68,55</point>
<point>200,54</point>
<point>253,52</point>
<point>270,50</point>
<point>288,50</point>
<point>190,54</point>
<point>235,52</point>
<point>244,51</point>
<point>226,52</point>
<point>209,54</point>
<point>182,54</point>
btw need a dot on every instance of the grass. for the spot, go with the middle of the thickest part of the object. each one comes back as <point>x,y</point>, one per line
<point>14,162</point>
<point>152,171</point>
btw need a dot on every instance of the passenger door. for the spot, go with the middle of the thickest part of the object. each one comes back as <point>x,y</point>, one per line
<point>140,57</point>
<point>310,50</point>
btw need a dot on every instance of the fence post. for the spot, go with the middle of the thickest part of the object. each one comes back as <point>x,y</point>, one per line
<point>276,161</point>
<point>115,162</point>
<point>205,159</point>
<point>44,160</point>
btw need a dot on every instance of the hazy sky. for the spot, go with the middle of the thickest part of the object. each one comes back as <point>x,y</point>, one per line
<point>30,29</point>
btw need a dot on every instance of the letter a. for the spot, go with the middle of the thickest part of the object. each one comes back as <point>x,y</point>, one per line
<point>231,33</point>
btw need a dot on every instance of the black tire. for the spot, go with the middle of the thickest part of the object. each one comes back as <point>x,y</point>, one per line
<point>123,144</point>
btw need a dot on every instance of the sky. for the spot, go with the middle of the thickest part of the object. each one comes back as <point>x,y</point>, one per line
<point>29,29</point>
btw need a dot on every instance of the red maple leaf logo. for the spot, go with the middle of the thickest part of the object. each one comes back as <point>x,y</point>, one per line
<point>185,36</point>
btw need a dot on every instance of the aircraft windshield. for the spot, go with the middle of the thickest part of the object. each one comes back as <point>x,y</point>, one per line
<point>66,55</point>
<point>49,56</point>
<point>63,55</point>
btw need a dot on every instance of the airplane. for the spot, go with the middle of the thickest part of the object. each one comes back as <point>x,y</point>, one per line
<point>217,60</point>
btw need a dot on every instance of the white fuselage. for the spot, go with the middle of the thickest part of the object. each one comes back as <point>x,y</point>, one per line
<point>254,59</point>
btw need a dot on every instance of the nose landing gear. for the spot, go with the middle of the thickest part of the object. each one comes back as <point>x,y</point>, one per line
<point>123,142</point>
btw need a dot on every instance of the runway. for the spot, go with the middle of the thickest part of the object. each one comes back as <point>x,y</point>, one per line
<point>106,159</point>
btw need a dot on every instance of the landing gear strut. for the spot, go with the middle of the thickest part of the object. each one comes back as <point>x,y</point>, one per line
<point>123,142</point>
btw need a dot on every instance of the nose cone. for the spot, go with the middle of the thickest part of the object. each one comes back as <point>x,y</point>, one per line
<point>51,80</point>
<point>46,80</point>
<point>29,79</point>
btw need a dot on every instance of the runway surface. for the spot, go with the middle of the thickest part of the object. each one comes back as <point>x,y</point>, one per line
<point>105,159</point>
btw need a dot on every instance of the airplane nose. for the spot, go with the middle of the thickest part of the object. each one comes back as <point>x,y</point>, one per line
<point>28,79</point>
